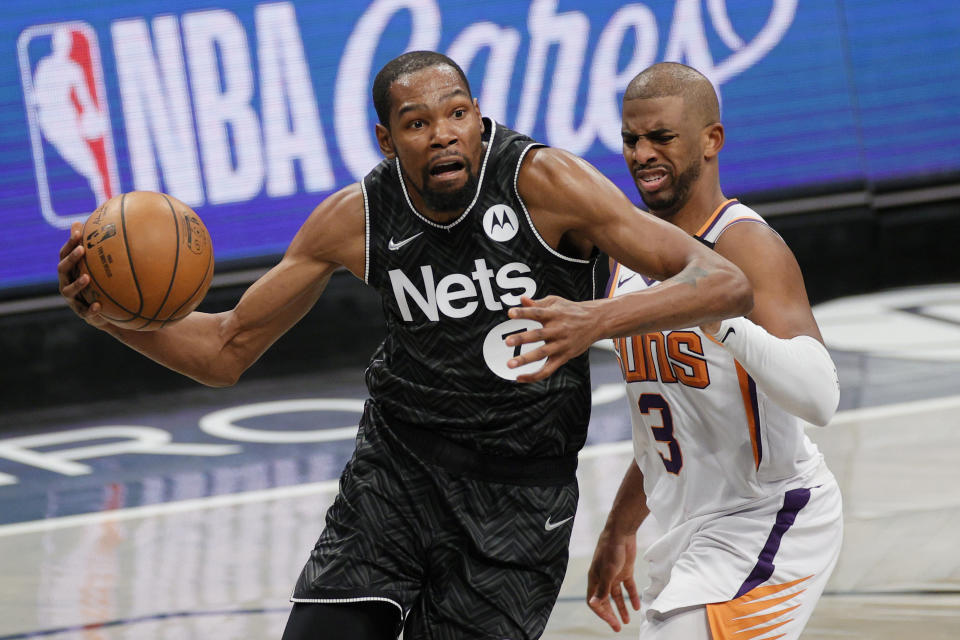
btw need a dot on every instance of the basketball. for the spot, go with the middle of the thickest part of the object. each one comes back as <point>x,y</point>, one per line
<point>149,257</point>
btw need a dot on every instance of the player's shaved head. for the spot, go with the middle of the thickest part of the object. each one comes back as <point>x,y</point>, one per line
<point>674,79</point>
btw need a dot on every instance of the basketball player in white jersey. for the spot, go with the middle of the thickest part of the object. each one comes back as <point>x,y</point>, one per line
<point>752,516</point>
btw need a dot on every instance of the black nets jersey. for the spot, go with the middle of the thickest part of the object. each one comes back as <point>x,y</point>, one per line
<point>446,289</point>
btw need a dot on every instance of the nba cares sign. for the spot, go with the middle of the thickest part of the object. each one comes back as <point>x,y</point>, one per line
<point>259,102</point>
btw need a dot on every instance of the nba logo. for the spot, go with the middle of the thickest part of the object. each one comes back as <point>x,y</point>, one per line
<point>70,132</point>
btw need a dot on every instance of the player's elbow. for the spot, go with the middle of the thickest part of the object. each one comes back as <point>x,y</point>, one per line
<point>227,367</point>
<point>220,379</point>
<point>234,353</point>
<point>216,373</point>
<point>821,409</point>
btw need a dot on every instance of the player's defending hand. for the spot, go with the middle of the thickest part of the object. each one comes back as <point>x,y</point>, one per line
<point>611,571</point>
<point>568,330</point>
<point>70,288</point>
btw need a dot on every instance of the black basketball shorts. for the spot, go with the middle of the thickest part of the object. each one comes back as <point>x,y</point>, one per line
<point>458,555</point>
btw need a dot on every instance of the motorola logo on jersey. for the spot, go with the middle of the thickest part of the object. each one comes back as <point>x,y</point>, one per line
<point>69,120</point>
<point>500,223</point>
<point>459,295</point>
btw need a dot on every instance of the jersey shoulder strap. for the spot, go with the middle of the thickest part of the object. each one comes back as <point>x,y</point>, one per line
<point>725,216</point>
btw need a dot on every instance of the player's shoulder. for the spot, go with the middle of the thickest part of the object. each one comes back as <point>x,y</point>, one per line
<point>555,177</point>
<point>727,216</point>
<point>550,162</point>
<point>744,237</point>
<point>335,226</point>
<point>341,209</point>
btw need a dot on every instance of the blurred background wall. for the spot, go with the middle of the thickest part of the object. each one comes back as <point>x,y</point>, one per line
<point>842,120</point>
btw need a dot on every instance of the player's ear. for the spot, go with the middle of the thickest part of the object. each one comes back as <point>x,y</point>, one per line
<point>713,138</point>
<point>385,140</point>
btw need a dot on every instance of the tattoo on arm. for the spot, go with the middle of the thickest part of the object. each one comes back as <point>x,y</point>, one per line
<point>692,275</point>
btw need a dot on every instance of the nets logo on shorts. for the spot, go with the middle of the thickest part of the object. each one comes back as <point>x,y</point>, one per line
<point>70,132</point>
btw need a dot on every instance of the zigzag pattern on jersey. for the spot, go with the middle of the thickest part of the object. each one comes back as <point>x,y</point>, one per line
<point>447,385</point>
<point>754,614</point>
<point>473,555</point>
<point>432,373</point>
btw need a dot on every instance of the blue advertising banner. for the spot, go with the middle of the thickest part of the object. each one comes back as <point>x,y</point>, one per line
<point>252,112</point>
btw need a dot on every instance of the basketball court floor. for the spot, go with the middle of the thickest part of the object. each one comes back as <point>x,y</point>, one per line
<point>188,515</point>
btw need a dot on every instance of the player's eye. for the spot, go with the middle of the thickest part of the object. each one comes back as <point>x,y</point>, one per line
<point>459,113</point>
<point>416,124</point>
<point>629,141</point>
<point>662,139</point>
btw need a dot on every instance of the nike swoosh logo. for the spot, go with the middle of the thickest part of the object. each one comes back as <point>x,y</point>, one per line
<point>393,245</point>
<point>550,526</point>
<point>627,279</point>
<point>727,334</point>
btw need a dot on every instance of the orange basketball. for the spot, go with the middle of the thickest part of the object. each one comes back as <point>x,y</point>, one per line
<point>149,257</point>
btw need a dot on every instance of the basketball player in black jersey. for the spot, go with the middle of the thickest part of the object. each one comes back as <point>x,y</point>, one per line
<point>454,514</point>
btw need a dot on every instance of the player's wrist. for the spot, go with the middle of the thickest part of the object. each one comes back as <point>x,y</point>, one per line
<point>623,526</point>
<point>603,326</point>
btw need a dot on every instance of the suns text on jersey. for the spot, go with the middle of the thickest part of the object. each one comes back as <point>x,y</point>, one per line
<point>675,356</point>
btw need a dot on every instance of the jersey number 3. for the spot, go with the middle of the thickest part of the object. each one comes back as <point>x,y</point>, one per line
<point>663,433</point>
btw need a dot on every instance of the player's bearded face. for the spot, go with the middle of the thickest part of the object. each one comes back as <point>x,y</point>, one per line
<point>446,197</point>
<point>675,195</point>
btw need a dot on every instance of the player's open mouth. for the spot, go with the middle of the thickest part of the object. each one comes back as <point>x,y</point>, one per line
<point>447,169</point>
<point>651,179</point>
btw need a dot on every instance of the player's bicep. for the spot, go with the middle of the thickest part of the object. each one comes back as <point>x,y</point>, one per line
<point>588,209</point>
<point>780,304</point>
<point>647,244</point>
<point>334,232</point>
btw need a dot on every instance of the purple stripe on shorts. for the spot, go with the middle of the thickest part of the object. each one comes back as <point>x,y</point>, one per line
<point>793,501</point>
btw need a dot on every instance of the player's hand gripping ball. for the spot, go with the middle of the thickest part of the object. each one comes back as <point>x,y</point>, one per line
<point>149,257</point>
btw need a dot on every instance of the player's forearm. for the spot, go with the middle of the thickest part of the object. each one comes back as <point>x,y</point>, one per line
<point>193,347</point>
<point>797,373</point>
<point>629,508</point>
<point>704,291</point>
<point>215,349</point>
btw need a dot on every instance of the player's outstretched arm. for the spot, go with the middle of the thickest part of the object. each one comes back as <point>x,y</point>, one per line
<point>215,349</point>
<point>574,205</point>
<point>611,570</point>
<point>779,343</point>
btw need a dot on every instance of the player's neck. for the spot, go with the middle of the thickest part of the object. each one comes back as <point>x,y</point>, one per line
<point>698,209</point>
<point>440,217</point>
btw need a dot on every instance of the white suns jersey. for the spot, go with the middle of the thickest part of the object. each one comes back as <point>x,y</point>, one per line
<point>705,437</point>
